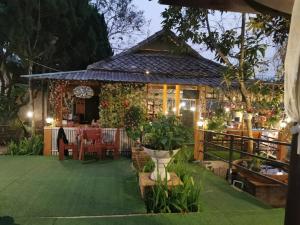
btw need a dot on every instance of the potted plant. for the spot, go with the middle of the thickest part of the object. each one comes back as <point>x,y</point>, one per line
<point>162,139</point>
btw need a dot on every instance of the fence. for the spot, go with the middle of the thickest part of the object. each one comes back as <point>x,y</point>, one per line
<point>232,149</point>
<point>125,141</point>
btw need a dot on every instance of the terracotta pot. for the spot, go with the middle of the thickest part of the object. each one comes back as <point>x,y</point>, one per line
<point>161,160</point>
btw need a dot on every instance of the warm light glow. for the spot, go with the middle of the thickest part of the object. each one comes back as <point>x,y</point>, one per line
<point>166,112</point>
<point>227,109</point>
<point>283,124</point>
<point>147,72</point>
<point>193,108</point>
<point>182,104</point>
<point>288,120</point>
<point>49,120</point>
<point>200,123</point>
<point>174,109</point>
<point>29,114</point>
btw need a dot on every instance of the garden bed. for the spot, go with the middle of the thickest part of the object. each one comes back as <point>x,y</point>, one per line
<point>268,191</point>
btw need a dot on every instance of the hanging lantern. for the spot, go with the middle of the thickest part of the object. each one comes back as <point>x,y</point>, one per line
<point>83,92</point>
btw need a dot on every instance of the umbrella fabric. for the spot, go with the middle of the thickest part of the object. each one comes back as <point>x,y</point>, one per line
<point>292,72</point>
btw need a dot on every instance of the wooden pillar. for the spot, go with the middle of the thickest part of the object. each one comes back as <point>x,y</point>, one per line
<point>47,141</point>
<point>177,100</point>
<point>165,100</point>
<point>282,149</point>
<point>292,209</point>
<point>196,128</point>
<point>199,134</point>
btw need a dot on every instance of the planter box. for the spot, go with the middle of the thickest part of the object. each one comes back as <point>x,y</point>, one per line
<point>265,190</point>
<point>139,158</point>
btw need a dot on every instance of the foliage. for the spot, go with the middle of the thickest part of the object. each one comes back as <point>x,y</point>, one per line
<point>278,27</point>
<point>10,103</point>
<point>115,100</point>
<point>26,146</point>
<point>164,133</point>
<point>240,47</point>
<point>179,199</point>
<point>217,121</point>
<point>123,20</point>
<point>184,198</point>
<point>133,120</point>
<point>149,166</point>
<point>63,34</point>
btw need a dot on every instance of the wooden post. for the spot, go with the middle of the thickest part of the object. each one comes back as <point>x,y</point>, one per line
<point>47,141</point>
<point>292,215</point>
<point>282,149</point>
<point>165,100</point>
<point>196,128</point>
<point>177,100</point>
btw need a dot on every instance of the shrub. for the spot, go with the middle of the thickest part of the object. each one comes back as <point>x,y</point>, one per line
<point>133,120</point>
<point>26,146</point>
<point>149,166</point>
<point>179,199</point>
<point>165,133</point>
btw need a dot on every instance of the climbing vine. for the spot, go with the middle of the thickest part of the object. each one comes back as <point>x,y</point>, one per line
<point>116,99</point>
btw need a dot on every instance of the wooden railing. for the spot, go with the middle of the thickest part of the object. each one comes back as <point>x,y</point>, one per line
<point>229,147</point>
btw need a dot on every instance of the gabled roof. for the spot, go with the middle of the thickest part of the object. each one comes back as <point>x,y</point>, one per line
<point>154,60</point>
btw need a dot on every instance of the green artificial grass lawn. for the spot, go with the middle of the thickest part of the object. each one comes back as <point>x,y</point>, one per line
<point>106,192</point>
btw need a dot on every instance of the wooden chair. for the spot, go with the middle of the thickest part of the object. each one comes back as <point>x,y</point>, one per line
<point>62,147</point>
<point>113,145</point>
<point>91,142</point>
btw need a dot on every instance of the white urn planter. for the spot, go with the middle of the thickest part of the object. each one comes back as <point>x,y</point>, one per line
<point>161,160</point>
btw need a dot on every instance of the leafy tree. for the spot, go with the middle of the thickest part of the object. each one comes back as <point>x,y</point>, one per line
<point>240,47</point>
<point>124,20</point>
<point>63,34</point>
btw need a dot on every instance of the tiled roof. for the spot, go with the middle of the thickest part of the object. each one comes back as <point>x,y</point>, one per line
<point>144,64</point>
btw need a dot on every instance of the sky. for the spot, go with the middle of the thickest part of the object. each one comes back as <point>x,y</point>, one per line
<point>152,11</point>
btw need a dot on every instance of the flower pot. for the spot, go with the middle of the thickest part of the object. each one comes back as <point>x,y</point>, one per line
<point>161,160</point>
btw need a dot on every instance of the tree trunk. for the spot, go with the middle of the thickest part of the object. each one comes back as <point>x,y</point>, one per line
<point>243,89</point>
<point>31,99</point>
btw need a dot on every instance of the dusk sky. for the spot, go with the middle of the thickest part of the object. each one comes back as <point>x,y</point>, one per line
<point>152,11</point>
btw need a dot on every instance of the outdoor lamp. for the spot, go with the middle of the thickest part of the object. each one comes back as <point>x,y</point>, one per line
<point>200,123</point>
<point>29,114</point>
<point>283,124</point>
<point>182,104</point>
<point>49,120</point>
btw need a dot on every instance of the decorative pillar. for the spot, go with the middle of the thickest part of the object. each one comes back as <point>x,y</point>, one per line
<point>165,100</point>
<point>177,100</point>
